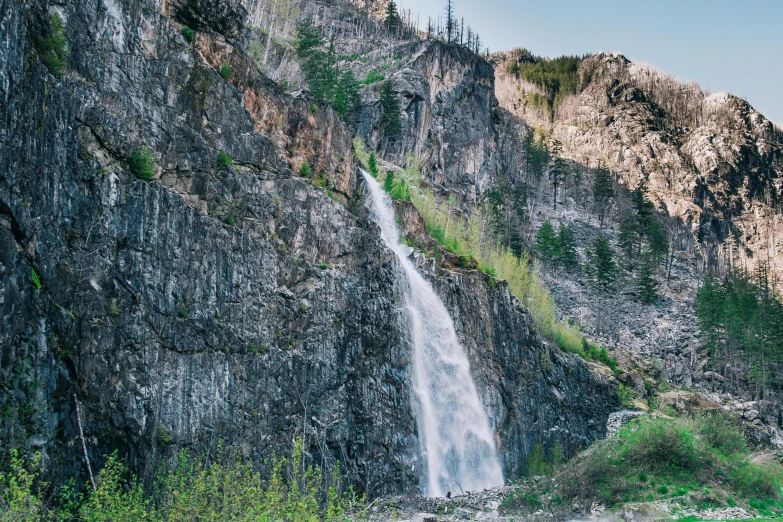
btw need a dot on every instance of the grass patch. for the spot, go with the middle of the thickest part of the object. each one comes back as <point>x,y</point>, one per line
<point>226,72</point>
<point>656,458</point>
<point>142,164</point>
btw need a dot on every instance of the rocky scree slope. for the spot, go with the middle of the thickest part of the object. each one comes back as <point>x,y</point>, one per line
<point>235,305</point>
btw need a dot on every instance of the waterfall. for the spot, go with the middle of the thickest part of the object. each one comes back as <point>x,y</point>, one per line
<point>456,442</point>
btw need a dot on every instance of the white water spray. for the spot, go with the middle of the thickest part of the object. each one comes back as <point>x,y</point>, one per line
<point>456,441</point>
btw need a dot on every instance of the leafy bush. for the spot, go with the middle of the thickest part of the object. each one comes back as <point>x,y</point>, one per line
<point>305,171</point>
<point>18,500</point>
<point>226,72</point>
<point>720,431</point>
<point>320,181</point>
<point>188,33</point>
<point>142,164</point>
<point>222,487</point>
<point>224,160</point>
<point>51,46</point>
<point>373,77</point>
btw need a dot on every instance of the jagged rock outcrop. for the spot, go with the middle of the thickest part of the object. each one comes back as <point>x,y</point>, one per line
<point>236,304</point>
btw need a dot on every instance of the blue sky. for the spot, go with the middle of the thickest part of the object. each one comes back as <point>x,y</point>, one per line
<point>724,45</point>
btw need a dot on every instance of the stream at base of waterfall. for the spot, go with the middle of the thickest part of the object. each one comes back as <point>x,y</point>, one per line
<point>456,442</point>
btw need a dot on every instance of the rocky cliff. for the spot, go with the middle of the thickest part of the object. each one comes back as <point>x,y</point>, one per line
<point>233,304</point>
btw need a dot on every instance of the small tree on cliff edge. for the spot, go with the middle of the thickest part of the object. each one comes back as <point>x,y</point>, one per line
<point>390,110</point>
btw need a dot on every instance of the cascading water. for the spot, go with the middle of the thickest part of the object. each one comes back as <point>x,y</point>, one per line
<point>454,434</point>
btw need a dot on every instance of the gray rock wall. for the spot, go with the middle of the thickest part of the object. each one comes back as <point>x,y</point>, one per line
<point>210,305</point>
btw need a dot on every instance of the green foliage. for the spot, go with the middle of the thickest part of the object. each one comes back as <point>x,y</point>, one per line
<point>142,164</point>
<point>372,165</point>
<point>224,160</point>
<point>35,279</point>
<point>603,192</point>
<point>320,181</point>
<point>653,458</point>
<point>468,237</point>
<point>18,499</point>
<point>558,169</point>
<point>558,78</point>
<point>546,242</point>
<point>390,110</point>
<point>220,487</point>
<point>226,72</point>
<point>537,463</point>
<point>739,318</point>
<point>601,267</point>
<point>188,33</point>
<point>507,208</point>
<point>646,284</point>
<point>373,76</point>
<point>327,82</point>
<point>566,247</point>
<point>115,498</point>
<point>305,171</point>
<point>50,46</point>
<point>624,394</point>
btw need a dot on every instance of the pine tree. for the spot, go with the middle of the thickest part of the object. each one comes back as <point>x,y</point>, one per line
<point>646,284</point>
<point>392,16</point>
<point>657,239</point>
<point>630,235</point>
<point>558,170</point>
<point>602,269</point>
<point>546,241</point>
<point>390,110</point>
<point>567,255</point>
<point>603,192</point>
<point>372,165</point>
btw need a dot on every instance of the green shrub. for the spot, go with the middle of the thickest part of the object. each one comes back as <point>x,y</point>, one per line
<point>51,46</point>
<point>18,500</point>
<point>226,72</point>
<point>719,429</point>
<point>320,181</point>
<point>142,164</point>
<point>224,160</point>
<point>313,108</point>
<point>230,220</point>
<point>305,171</point>
<point>188,33</point>
<point>373,77</point>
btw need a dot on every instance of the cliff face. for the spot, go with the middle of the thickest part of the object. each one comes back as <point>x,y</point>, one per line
<point>236,304</point>
<point>711,161</point>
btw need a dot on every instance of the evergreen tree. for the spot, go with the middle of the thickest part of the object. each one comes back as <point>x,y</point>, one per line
<point>390,110</point>
<point>558,170</point>
<point>567,255</point>
<point>319,67</point>
<point>372,164</point>
<point>657,239</point>
<point>630,235</point>
<point>388,183</point>
<point>646,284</point>
<point>392,16</point>
<point>603,192</point>
<point>602,269</point>
<point>546,241</point>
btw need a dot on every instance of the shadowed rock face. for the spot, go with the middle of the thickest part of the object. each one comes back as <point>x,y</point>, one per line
<point>226,17</point>
<point>240,305</point>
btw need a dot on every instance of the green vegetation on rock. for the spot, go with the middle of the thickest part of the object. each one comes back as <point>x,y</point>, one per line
<point>142,164</point>
<point>50,46</point>
<point>210,488</point>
